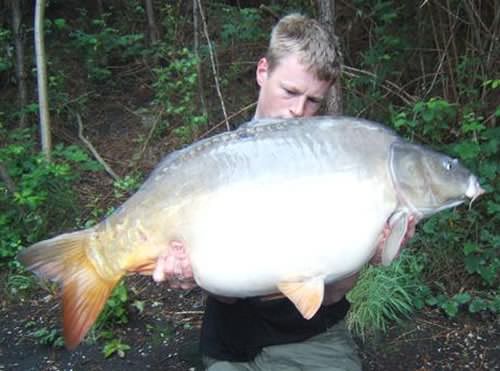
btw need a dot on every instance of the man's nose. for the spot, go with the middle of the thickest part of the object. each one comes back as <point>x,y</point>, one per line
<point>298,108</point>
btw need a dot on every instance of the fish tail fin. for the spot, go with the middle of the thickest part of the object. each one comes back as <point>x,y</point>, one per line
<point>64,259</point>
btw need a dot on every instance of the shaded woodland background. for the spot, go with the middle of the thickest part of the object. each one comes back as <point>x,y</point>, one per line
<point>130,81</point>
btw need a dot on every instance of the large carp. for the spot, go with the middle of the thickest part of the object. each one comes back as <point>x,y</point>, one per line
<point>277,206</point>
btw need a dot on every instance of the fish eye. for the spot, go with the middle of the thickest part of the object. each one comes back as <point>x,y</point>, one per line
<point>449,164</point>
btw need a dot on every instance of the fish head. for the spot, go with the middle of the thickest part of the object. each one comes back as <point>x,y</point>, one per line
<point>428,181</point>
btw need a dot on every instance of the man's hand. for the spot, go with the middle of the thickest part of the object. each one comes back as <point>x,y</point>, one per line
<point>174,267</point>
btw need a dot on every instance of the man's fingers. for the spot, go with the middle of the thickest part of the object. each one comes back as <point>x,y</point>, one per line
<point>174,266</point>
<point>159,271</point>
<point>187,270</point>
<point>186,285</point>
<point>170,266</point>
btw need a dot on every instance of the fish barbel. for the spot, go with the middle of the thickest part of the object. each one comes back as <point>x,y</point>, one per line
<point>277,206</point>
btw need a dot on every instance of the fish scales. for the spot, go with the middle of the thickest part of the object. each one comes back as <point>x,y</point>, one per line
<point>277,206</point>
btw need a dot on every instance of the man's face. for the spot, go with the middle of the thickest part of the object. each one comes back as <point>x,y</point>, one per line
<point>290,90</point>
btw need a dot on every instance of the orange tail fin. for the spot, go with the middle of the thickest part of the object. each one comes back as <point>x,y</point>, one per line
<point>64,259</point>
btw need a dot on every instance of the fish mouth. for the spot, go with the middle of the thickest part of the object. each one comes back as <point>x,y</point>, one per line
<point>474,190</point>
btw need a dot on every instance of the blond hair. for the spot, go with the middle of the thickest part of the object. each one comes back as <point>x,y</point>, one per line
<point>310,41</point>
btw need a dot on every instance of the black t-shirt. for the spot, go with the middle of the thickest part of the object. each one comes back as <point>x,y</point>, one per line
<point>237,332</point>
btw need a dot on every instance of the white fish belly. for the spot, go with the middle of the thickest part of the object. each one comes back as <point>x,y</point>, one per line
<point>247,237</point>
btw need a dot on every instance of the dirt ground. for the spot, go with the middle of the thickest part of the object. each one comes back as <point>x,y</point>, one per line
<point>164,337</point>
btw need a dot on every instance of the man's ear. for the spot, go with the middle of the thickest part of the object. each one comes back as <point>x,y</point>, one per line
<point>262,71</point>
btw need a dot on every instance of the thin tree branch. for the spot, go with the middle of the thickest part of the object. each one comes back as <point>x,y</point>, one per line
<point>148,138</point>
<point>246,108</point>
<point>93,150</point>
<point>387,85</point>
<point>275,15</point>
<point>212,60</point>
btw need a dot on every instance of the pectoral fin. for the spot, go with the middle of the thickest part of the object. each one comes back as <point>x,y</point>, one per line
<point>307,295</point>
<point>398,227</point>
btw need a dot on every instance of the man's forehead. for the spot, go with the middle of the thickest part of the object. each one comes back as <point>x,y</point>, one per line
<point>296,62</point>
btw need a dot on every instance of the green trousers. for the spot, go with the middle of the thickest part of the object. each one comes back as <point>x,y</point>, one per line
<point>333,350</point>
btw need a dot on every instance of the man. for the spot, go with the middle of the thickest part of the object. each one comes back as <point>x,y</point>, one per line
<point>269,333</point>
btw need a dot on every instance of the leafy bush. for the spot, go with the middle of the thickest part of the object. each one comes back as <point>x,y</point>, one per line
<point>175,91</point>
<point>240,25</point>
<point>104,45</point>
<point>43,201</point>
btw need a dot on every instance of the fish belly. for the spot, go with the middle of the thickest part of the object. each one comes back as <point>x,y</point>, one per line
<point>247,237</point>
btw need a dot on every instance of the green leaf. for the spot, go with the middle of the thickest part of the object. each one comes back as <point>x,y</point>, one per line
<point>477,305</point>
<point>115,346</point>
<point>139,305</point>
<point>494,305</point>
<point>462,298</point>
<point>488,170</point>
<point>470,248</point>
<point>492,208</point>
<point>472,263</point>
<point>450,308</point>
<point>60,23</point>
<point>488,273</point>
<point>467,150</point>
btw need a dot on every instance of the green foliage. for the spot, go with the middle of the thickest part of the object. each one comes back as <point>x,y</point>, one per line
<point>18,284</point>
<point>482,257</point>
<point>175,91</point>
<point>43,201</point>
<point>386,294</point>
<point>240,25</point>
<point>127,185</point>
<point>383,58</point>
<point>465,301</point>
<point>450,305</point>
<point>115,346</point>
<point>48,337</point>
<point>115,311</point>
<point>433,116</point>
<point>105,44</point>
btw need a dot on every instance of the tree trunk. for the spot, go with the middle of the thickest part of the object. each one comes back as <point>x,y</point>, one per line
<point>41,72</point>
<point>326,15</point>
<point>100,9</point>
<point>201,90</point>
<point>152,28</point>
<point>20,71</point>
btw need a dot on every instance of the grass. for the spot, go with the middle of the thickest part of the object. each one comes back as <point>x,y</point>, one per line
<point>384,295</point>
